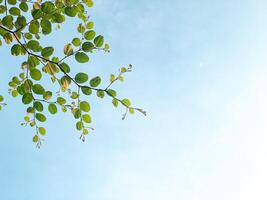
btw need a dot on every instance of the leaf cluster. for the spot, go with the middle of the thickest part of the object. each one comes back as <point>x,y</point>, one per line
<point>23,23</point>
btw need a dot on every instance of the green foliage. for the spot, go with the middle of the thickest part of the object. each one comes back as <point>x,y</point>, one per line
<point>81,77</point>
<point>94,82</point>
<point>23,26</point>
<point>52,108</point>
<point>81,57</point>
<point>35,74</point>
<point>1,102</point>
<point>47,51</point>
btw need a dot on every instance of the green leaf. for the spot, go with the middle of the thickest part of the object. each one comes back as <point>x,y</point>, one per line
<point>38,89</point>
<point>27,98</point>
<point>99,41</point>
<point>24,6</point>
<point>70,11</point>
<point>74,95</point>
<point>27,119</point>
<point>2,9</point>
<point>79,125</point>
<point>32,123</point>
<point>58,18</point>
<point>28,36</point>
<point>42,131</point>
<point>123,70</point>
<point>126,102</point>
<point>89,3</point>
<point>47,95</point>
<point>85,131</point>
<point>115,102</point>
<point>64,109</point>
<point>30,110</point>
<point>14,11</point>
<point>89,35</point>
<point>100,94</point>
<point>121,78</point>
<point>16,80</point>
<point>20,22</point>
<point>81,57</point>
<point>1,98</point>
<point>35,138</point>
<point>81,77</point>
<point>36,13</point>
<point>47,51</point>
<point>84,106</point>
<point>88,46</point>
<point>80,28</point>
<point>112,78</point>
<point>35,74</point>
<point>7,21</point>
<point>131,110</point>
<point>34,27</point>
<point>40,117</point>
<point>28,84</point>
<point>38,106</point>
<point>52,108</point>
<point>86,90</point>
<point>61,100</point>
<point>33,61</point>
<point>33,45</point>
<point>77,113</point>
<point>65,67</point>
<point>112,93</point>
<point>46,26</point>
<point>94,82</point>
<point>12,2</point>
<point>90,25</point>
<point>16,50</point>
<point>47,7</point>
<point>76,42</point>
<point>107,48</point>
<point>86,118</point>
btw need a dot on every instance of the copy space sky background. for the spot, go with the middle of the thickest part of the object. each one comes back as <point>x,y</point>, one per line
<point>200,71</point>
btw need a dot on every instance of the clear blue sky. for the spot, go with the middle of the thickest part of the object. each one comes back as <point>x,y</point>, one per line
<point>200,71</point>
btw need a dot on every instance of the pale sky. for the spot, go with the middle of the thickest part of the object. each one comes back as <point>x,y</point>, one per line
<point>200,71</point>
